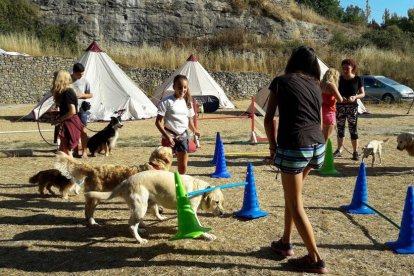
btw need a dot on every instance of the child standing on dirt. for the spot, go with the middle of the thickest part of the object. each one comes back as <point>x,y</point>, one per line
<point>300,147</point>
<point>330,95</point>
<point>177,112</point>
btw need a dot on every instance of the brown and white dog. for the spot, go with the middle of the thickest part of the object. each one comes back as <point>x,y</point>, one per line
<point>48,178</point>
<point>105,178</point>
<point>373,148</point>
<point>146,190</point>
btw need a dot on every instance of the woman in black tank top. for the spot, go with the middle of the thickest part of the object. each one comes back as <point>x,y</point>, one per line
<point>351,89</point>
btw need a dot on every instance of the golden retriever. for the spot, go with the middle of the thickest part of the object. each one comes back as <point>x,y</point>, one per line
<point>106,177</point>
<point>373,148</point>
<point>48,178</point>
<point>145,190</point>
<point>405,141</point>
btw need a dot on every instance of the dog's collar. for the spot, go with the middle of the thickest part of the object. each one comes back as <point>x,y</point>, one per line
<point>155,166</point>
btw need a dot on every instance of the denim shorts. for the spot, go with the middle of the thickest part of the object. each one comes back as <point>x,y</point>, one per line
<point>296,160</point>
<point>181,145</point>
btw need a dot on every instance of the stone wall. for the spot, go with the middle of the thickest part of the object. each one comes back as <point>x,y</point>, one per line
<point>27,79</point>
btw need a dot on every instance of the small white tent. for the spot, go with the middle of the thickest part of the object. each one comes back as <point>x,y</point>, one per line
<point>113,90</point>
<point>262,97</point>
<point>3,52</point>
<point>200,83</point>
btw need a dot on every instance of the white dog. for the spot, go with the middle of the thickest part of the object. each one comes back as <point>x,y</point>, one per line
<point>373,148</point>
<point>145,190</point>
<point>405,141</point>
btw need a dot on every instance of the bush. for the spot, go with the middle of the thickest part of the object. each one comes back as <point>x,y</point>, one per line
<point>392,38</point>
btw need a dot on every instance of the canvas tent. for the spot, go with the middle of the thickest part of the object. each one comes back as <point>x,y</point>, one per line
<point>113,90</point>
<point>3,52</point>
<point>262,97</point>
<point>200,84</point>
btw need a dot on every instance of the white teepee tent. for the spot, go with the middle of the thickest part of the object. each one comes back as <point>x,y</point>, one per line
<point>262,96</point>
<point>200,83</point>
<point>113,90</point>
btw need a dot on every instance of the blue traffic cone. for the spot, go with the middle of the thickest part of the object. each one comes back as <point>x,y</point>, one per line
<point>360,195</point>
<point>218,140</point>
<point>405,242</point>
<point>250,209</point>
<point>221,167</point>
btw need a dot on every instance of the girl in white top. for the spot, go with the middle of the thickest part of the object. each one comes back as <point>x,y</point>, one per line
<point>177,112</point>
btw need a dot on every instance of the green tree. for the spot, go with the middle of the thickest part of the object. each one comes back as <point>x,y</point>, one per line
<point>354,15</point>
<point>328,8</point>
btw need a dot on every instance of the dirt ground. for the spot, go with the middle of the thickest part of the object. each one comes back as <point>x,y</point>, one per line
<point>42,235</point>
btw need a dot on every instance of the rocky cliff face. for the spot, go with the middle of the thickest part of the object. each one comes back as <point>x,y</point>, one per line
<point>155,21</point>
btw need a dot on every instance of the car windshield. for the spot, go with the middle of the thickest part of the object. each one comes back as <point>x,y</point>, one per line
<point>387,81</point>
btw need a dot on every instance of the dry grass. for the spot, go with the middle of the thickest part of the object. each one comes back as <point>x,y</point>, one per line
<point>47,234</point>
<point>31,45</point>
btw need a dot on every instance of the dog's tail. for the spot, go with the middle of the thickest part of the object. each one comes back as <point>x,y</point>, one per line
<point>69,168</point>
<point>108,195</point>
<point>34,179</point>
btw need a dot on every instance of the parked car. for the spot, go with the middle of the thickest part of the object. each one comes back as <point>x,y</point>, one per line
<point>380,88</point>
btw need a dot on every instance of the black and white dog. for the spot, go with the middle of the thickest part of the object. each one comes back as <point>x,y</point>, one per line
<point>105,139</point>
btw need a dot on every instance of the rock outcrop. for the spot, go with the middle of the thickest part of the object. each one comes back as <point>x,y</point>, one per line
<point>156,21</point>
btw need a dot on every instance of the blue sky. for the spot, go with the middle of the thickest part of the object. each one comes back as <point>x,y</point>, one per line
<point>378,7</point>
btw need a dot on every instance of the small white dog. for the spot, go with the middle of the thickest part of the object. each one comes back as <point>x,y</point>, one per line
<point>145,190</point>
<point>373,148</point>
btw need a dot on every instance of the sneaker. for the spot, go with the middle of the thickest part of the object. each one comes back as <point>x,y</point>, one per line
<point>283,249</point>
<point>305,264</point>
<point>337,153</point>
<point>355,156</point>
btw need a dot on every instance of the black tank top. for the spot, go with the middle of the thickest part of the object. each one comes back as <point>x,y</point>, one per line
<point>299,103</point>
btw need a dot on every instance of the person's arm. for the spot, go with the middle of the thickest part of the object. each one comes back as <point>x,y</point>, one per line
<point>192,127</point>
<point>69,114</point>
<point>84,96</point>
<point>160,126</point>
<point>360,93</point>
<point>268,123</point>
<point>335,92</point>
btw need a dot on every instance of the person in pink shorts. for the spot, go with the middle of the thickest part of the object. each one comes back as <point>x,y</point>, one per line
<point>330,95</point>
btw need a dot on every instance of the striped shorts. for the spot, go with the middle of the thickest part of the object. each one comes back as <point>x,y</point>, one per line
<point>296,160</point>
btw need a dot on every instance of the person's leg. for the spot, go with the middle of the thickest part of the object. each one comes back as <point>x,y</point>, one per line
<point>327,131</point>
<point>353,128</point>
<point>182,160</point>
<point>287,232</point>
<point>84,142</point>
<point>340,124</point>
<point>292,187</point>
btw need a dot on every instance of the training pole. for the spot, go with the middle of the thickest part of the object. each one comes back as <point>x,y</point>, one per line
<point>382,215</point>
<point>225,186</point>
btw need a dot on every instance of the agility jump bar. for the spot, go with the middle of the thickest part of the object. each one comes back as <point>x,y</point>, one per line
<point>225,186</point>
<point>382,215</point>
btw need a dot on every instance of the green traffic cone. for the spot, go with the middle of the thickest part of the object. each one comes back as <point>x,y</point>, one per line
<point>188,225</point>
<point>328,167</point>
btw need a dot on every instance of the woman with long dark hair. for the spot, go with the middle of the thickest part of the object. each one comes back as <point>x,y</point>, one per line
<point>300,147</point>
